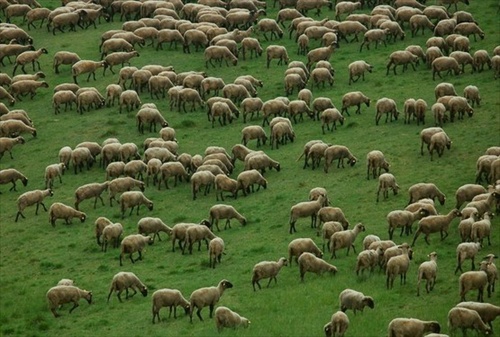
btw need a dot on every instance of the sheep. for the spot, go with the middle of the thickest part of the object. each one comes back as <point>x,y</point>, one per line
<point>81,156</point>
<point>481,229</point>
<point>276,52</point>
<point>316,151</point>
<point>6,144</point>
<point>225,317</point>
<point>354,98</point>
<point>369,239</point>
<point>468,28</point>
<point>438,142</point>
<point>488,312</point>
<point>425,190</point>
<point>64,57</point>
<point>24,87</point>
<point>267,269</point>
<point>67,86</point>
<point>354,300</point>
<point>345,239</point>
<point>63,97</point>
<point>251,105</point>
<point>386,181</point>
<point>463,318</point>
<point>398,265</point>
<point>438,110</point>
<point>328,213</point>
<point>402,57</point>
<point>444,63</point>
<point>150,225</point>
<point>304,6</point>
<point>195,37</point>
<point>376,159</point>
<point>391,252</point>
<point>30,198</point>
<point>346,7</point>
<point>189,95</point>
<point>101,223</point>
<point>481,57</point>
<point>387,106</point>
<point>130,99</point>
<point>465,225</point>
<point>35,77</point>
<point>116,58</point>
<point>179,232</point>
<point>338,152</point>
<point>346,28</point>
<point>427,270</point>
<point>61,211</point>
<point>374,35</point>
<point>61,294</point>
<point>199,179</point>
<point>86,66</point>
<point>4,94</point>
<point>53,171</point>
<point>337,326</point>
<point>276,107</point>
<point>228,212</point>
<point>248,178</point>
<point>483,166</point>
<point>131,199</point>
<point>357,70</point>
<point>466,250</point>
<point>404,219</point>
<point>151,116</point>
<point>208,296</point>
<point>261,161</point>
<point>368,258</point>
<point>463,58</point>
<point>219,53</point>
<point>134,243</point>
<point>323,75</point>
<point>11,175</point>
<point>301,245</point>
<point>320,54</point>
<point>29,56</point>
<point>170,169</point>
<point>125,281</point>
<point>171,298</point>
<point>13,127</point>
<point>435,223</point>
<point>406,327</point>
<point>471,93</point>
<point>309,262</point>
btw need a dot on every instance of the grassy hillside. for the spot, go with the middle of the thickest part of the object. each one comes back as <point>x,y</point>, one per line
<point>35,256</point>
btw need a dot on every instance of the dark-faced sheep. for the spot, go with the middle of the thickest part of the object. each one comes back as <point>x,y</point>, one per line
<point>464,318</point>
<point>309,262</point>
<point>298,246</point>
<point>338,152</point>
<point>61,294</point>
<point>31,198</point>
<point>11,176</point>
<point>61,211</point>
<point>208,296</point>
<point>412,327</point>
<point>434,224</point>
<point>345,239</point>
<point>125,281</point>
<point>354,300</point>
<point>267,269</point>
<point>171,298</point>
<point>337,325</point>
<point>131,199</point>
<point>134,243</point>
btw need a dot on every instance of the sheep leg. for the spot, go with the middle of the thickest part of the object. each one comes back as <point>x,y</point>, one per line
<point>75,305</point>
<point>198,313</point>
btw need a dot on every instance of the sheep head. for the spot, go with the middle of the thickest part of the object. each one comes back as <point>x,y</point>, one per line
<point>368,300</point>
<point>88,296</point>
<point>144,291</point>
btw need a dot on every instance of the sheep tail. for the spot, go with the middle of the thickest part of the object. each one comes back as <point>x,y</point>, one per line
<point>300,156</point>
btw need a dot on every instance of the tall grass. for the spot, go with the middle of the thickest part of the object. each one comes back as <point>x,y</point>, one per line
<point>34,256</point>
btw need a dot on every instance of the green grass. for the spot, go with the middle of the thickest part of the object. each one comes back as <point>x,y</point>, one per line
<point>34,256</point>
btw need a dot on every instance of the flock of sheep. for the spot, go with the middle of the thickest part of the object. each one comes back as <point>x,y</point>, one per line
<point>160,22</point>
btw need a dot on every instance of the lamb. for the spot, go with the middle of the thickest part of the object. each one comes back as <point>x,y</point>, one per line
<point>305,209</point>
<point>368,258</point>
<point>357,70</point>
<point>404,219</point>
<point>466,250</point>
<point>386,181</point>
<point>298,246</point>
<point>150,225</point>
<point>111,233</point>
<point>481,229</point>
<point>61,294</point>
<point>488,312</point>
<point>435,223</point>
<point>248,178</point>
<point>338,152</point>
<point>131,199</point>
<point>355,98</point>
<point>267,269</point>
<point>345,239</point>
<point>86,66</point>
<point>337,326</point>
<point>125,281</point>
<point>355,300</point>
<point>402,57</point>
<point>438,142</point>
<point>406,327</point>
<point>30,198</point>
<point>425,190</point>
<point>171,298</point>
<point>60,211</point>
<point>463,318</point>
<point>428,270</point>
<point>398,265</point>
<point>10,176</point>
<point>444,63</point>
<point>51,172</point>
<point>276,52</point>
<point>208,296</point>
<point>228,212</point>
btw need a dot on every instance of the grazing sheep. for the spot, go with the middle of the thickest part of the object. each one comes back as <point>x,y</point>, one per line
<point>169,169</point>
<point>345,239</point>
<point>386,181</point>
<point>404,219</point>
<point>202,178</point>
<point>368,240</point>
<point>355,98</point>
<point>368,258</point>
<point>465,225</point>
<point>387,106</point>
<point>425,190</point>
<point>354,300</point>
<point>125,281</point>
<point>171,298</point>
<point>86,66</point>
<point>426,204</point>
<point>428,270</point>
<point>471,93</point>
<point>444,89</point>
<point>401,57</point>
<point>179,232</point>
<point>108,231</point>
<point>261,162</point>
<point>63,97</point>
<point>467,250</point>
<point>116,58</point>
<point>53,171</point>
<point>215,251</point>
<point>438,142</point>
<point>226,318</point>
<point>197,234</point>
<point>276,52</point>
<point>10,176</point>
<point>438,110</point>
<point>327,213</point>
<point>228,212</point>
<point>208,296</point>
<point>374,35</point>
<point>412,327</point>
<point>357,70</point>
<point>298,246</point>
<point>463,318</point>
<point>488,312</point>
<point>309,262</point>
<point>398,265</point>
<point>61,294</point>
<point>320,54</point>
<point>150,225</point>
<point>6,144</point>
<point>130,99</point>
<point>305,209</point>
<point>434,224</point>
<point>267,269</point>
<point>337,326</point>
<point>134,243</point>
<point>24,87</point>
<point>30,198</point>
<point>376,159</point>
<point>131,199</point>
<point>444,63</point>
<point>61,211</point>
<point>13,127</point>
<point>248,178</point>
<point>338,152</point>
<point>119,185</point>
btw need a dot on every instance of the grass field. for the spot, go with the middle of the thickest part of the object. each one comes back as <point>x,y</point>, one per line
<point>35,256</point>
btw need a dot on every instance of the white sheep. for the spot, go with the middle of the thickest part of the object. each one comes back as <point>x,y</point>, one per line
<point>125,281</point>
<point>131,199</point>
<point>247,179</point>
<point>151,225</point>
<point>171,298</point>
<point>11,176</point>
<point>267,269</point>
<point>202,179</point>
<point>306,209</point>
<point>62,294</point>
<point>61,211</point>
<point>328,213</point>
<point>463,318</point>
<point>309,262</point>
<point>111,233</point>
<point>354,300</point>
<point>337,325</point>
<point>412,327</point>
<point>226,318</point>
<point>427,270</point>
<point>30,198</point>
<point>345,239</point>
<point>179,232</point>
<point>482,228</point>
<point>208,296</point>
<point>404,219</point>
<point>466,250</point>
<point>298,246</point>
<point>215,251</point>
<point>355,98</point>
<point>398,265</point>
<point>134,243</point>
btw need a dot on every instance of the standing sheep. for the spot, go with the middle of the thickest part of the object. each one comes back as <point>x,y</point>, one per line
<point>10,176</point>
<point>134,243</point>
<point>434,224</point>
<point>428,270</point>
<point>386,181</point>
<point>267,269</point>
<point>412,327</point>
<point>338,152</point>
<point>425,190</point>
<point>398,265</point>
<point>30,198</point>
<point>487,311</point>
<point>208,296</point>
<point>376,160</point>
<point>6,144</point>
<point>61,294</point>
<point>337,325</point>
<point>463,318</point>
<point>61,211</point>
<point>298,246</point>
<point>354,300</point>
<point>345,239</point>
<point>305,209</point>
<point>171,298</point>
<point>125,281</point>
<point>228,212</point>
<point>111,232</point>
<point>131,199</point>
<point>357,70</point>
<point>150,225</point>
<point>215,251</point>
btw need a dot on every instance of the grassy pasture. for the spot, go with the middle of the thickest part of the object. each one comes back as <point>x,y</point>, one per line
<point>34,256</point>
